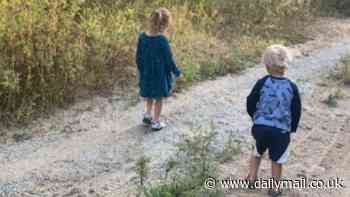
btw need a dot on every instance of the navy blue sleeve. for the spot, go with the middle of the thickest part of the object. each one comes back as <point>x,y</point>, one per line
<point>138,54</point>
<point>296,108</point>
<point>254,97</point>
<point>171,63</point>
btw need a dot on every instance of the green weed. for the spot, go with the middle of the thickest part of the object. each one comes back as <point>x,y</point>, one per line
<point>142,169</point>
<point>232,148</point>
<point>345,73</point>
<point>331,101</point>
<point>194,163</point>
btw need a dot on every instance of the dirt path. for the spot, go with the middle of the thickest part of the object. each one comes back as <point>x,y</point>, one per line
<point>91,148</point>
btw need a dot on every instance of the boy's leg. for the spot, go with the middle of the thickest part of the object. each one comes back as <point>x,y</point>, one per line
<point>279,155</point>
<point>158,109</point>
<point>276,172</point>
<point>254,168</point>
<point>260,148</point>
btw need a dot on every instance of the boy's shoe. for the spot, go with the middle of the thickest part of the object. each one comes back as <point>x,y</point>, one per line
<point>147,119</point>
<point>274,193</point>
<point>157,126</point>
<point>250,183</point>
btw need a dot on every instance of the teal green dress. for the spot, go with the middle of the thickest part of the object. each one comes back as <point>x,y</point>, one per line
<point>156,66</point>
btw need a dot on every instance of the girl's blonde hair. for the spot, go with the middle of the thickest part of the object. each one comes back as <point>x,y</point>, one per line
<point>160,20</point>
<point>276,56</point>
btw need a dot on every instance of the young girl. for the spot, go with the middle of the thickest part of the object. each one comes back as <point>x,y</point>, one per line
<point>156,67</point>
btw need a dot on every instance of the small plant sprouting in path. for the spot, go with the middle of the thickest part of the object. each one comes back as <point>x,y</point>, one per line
<point>194,162</point>
<point>338,78</point>
<point>142,169</point>
<point>231,149</point>
<point>332,99</point>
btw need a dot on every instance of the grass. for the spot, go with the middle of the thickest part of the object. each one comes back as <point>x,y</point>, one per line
<point>142,169</point>
<point>231,149</point>
<point>345,71</point>
<point>338,77</point>
<point>331,101</point>
<point>342,72</point>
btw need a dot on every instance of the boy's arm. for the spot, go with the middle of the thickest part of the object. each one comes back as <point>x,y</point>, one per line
<point>296,109</point>
<point>254,97</point>
<point>171,60</point>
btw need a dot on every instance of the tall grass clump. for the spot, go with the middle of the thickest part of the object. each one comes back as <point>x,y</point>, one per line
<point>49,50</point>
<point>334,7</point>
<point>345,70</point>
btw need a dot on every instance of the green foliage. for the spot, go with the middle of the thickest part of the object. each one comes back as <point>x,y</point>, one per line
<point>195,162</point>
<point>142,169</point>
<point>342,72</point>
<point>345,72</point>
<point>331,101</point>
<point>232,148</point>
<point>337,7</point>
<point>162,191</point>
<point>263,15</point>
<point>191,72</point>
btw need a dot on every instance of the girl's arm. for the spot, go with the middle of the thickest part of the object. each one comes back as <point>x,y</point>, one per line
<point>171,60</point>
<point>138,55</point>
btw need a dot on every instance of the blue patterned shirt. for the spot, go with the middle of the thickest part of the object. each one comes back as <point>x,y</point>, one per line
<point>275,102</point>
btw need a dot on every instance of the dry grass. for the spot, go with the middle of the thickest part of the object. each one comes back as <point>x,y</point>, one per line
<point>346,70</point>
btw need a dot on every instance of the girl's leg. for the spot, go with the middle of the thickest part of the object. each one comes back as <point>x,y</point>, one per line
<point>158,109</point>
<point>147,116</point>
<point>148,105</point>
<point>254,168</point>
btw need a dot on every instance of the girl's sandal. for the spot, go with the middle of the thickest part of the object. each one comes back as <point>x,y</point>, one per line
<point>274,193</point>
